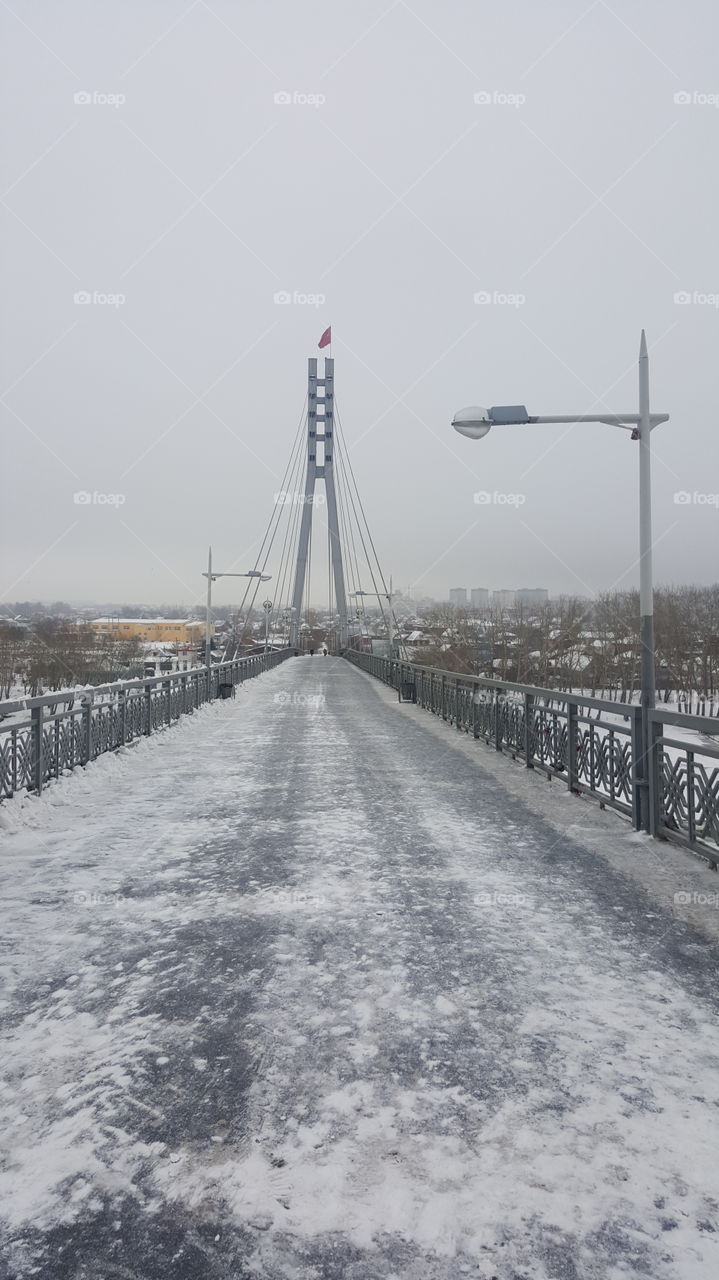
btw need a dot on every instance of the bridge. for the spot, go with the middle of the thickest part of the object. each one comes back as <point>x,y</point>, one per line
<point>369,970</point>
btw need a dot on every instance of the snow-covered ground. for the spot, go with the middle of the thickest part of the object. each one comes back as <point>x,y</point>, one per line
<point>311,986</point>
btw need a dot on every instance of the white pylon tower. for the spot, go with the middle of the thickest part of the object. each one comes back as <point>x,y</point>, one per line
<point>320,414</point>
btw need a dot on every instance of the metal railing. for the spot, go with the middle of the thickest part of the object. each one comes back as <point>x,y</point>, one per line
<point>73,727</point>
<point>669,787</point>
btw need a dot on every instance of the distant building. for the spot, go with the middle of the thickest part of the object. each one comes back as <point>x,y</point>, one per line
<point>168,630</point>
<point>479,597</point>
<point>458,595</point>
<point>503,599</point>
<point>530,596</point>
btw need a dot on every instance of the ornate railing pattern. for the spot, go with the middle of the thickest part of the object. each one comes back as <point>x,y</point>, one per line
<point>71,728</point>
<point>670,787</point>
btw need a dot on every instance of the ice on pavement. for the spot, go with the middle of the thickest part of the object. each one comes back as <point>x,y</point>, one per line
<point>308,986</point>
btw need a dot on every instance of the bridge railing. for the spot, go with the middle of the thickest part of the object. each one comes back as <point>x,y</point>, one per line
<point>670,786</point>
<point>72,727</point>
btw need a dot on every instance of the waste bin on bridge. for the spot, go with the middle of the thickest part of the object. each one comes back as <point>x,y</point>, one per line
<point>407,691</point>
<point>225,691</point>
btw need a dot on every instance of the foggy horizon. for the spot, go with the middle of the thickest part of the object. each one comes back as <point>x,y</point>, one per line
<point>486,206</point>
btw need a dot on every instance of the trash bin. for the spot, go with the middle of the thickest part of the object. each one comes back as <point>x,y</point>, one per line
<point>225,691</point>
<point>408,691</point>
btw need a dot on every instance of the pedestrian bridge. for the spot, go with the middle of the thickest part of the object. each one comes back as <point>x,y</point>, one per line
<point>312,984</point>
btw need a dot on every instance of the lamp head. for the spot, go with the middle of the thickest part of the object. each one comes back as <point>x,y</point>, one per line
<point>472,422</point>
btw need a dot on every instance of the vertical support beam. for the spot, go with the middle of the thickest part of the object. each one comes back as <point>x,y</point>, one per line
<point>641,764</point>
<point>572,729</point>
<point>208,614</point>
<point>87,728</point>
<point>646,591</point>
<point>37,734</point>
<point>121,718</point>
<point>528,730</point>
<point>654,764</point>
<point>306,522</point>
<point>332,518</point>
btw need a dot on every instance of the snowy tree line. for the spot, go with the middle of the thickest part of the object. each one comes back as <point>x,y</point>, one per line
<point>590,646</point>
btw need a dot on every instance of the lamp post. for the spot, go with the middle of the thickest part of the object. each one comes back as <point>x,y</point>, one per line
<point>475,423</point>
<point>211,575</point>
<point>267,606</point>
<point>382,595</point>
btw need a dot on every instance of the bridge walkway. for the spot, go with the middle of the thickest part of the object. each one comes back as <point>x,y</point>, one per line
<point>311,986</point>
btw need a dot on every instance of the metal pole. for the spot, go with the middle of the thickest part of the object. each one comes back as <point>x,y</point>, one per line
<point>208,611</point>
<point>646,588</point>
<point>306,520</point>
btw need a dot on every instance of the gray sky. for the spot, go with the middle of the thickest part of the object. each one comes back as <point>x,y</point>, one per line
<point>581,188</point>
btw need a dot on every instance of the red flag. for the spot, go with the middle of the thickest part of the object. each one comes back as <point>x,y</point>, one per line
<point>326,338</point>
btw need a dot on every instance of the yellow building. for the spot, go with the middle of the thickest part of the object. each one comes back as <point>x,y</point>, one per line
<point>165,630</point>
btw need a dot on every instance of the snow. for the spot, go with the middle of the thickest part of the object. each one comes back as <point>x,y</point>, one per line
<point>318,986</point>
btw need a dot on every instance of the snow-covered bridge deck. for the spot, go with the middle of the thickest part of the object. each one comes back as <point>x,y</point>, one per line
<point>310,986</point>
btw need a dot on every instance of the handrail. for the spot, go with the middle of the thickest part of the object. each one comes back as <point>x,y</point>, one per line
<point>669,788</point>
<point>118,686</point>
<point>106,717</point>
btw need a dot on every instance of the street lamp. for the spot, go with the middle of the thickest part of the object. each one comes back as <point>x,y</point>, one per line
<point>474,423</point>
<point>267,606</point>
<point>382,595</point>
<point>287,622</point>
<point>211,574</point>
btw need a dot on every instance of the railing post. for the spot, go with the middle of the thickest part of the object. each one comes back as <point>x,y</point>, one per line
<point>38,748</point>
<point>641,770</point>
<point>122,717</point>
<point>654,769</point>
<point>148,709</point>
<point>497,722</point>
<point>167,687</point>
<point>691,810</point>
<point>87,729</point>
<point>444,700</point>
<point>571,746</point>
<point>528,730</point>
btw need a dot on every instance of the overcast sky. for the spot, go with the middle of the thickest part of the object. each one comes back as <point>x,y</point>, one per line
<point>532,153</point>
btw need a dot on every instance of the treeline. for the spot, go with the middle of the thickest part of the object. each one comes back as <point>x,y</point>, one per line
<point>55,653</point>
<point>590,646</point>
